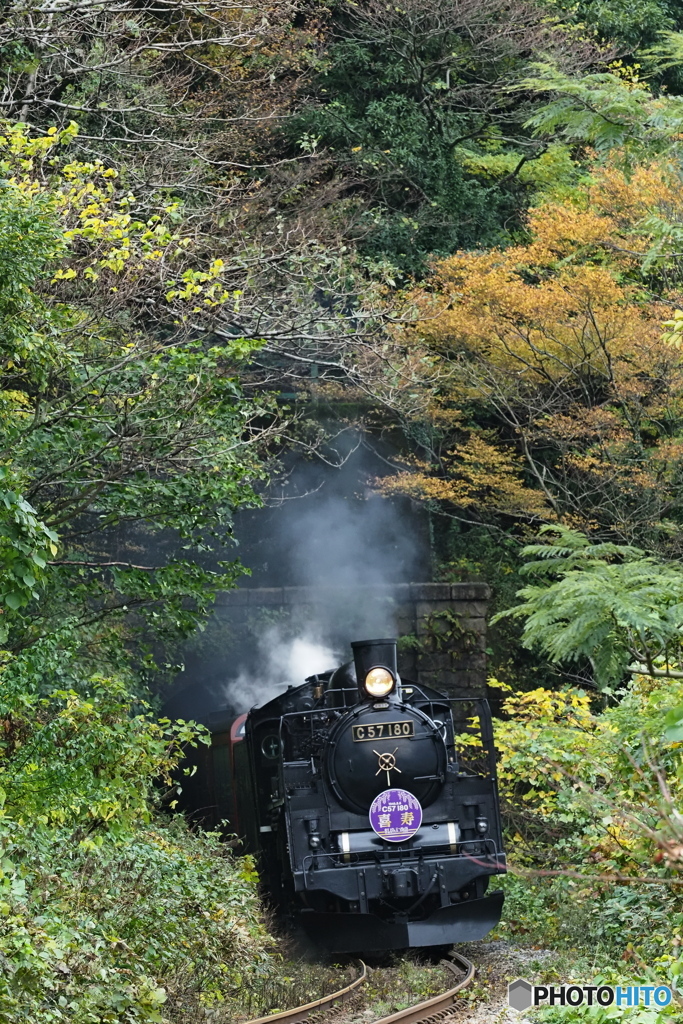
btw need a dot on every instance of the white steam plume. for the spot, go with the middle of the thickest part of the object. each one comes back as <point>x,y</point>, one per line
<point>283,661</point>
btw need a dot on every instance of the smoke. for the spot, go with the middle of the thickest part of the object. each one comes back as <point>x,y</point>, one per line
<point>343,542</point>
<point>333,533</point>
<point>281,662</point>
<point>326,530</point>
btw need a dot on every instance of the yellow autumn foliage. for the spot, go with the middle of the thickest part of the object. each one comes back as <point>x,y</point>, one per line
<point>106,240</point>
<point>479,473</point>
<point>571,769</point>
<point>569,398</point>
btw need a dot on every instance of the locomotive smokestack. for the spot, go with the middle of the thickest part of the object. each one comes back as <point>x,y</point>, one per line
<point>376,667</point>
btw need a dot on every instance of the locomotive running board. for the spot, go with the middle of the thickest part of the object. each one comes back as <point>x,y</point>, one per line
<point>349,933</point>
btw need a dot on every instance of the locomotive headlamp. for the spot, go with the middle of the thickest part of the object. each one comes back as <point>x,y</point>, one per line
<point>379,682</point>
<point>376,669</point>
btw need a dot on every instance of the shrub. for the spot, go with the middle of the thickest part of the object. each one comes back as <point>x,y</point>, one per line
<point>114,929</point>
<point>105,915</point>
<point>590,799</point>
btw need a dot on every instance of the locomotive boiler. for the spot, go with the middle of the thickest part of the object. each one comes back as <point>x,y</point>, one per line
<point>371,803</point>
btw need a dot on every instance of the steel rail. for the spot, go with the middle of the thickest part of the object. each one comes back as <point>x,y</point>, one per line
<point>438,1007</point>
<point>430,1011</point>
<point>301,1013</point>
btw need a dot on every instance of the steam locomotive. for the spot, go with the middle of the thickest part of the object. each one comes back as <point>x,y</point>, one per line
<point>371,803</point>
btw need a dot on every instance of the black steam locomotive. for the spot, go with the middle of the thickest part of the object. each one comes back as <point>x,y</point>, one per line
<point>372,804</point>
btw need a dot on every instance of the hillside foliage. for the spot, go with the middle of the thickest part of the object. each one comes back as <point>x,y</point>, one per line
<point>452,225</point>
<point>113,434</point>
<point>591,798</point>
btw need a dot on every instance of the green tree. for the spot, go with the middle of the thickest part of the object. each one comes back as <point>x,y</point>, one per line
<point>636,25</point>
<point>126,444</point>
<point>410,101</point>
<point>605,604</point>
<point>125,437</point>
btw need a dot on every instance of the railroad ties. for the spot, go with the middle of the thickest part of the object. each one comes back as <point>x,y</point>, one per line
<point>438,1008</point>
<point>431,1011</point>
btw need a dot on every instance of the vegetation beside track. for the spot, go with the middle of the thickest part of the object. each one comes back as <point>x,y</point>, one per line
<point>252,203</point>
<point>106,914</point>
<point>109,911</point>
<point>398,981</point>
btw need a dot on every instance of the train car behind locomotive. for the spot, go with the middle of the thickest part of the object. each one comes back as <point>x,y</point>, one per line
<point>372,804</point>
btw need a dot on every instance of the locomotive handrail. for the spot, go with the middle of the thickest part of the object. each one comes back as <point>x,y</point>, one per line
<point>300,1013</point>
<point>308,861</point>
<point>483,713</point>
<point>479,841</point>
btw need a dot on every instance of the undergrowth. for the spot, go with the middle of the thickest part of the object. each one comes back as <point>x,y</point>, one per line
<point>594,839</point>
<point>111,912</point>
<point>127,930</point>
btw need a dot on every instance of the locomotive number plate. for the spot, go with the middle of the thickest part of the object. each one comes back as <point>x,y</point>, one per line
<point>382,731</point>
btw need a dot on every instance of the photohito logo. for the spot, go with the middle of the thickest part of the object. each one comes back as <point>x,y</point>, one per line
<point>522,995</point>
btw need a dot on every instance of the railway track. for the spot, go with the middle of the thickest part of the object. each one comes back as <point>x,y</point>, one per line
<point>302,1013</point>
<point>436,1010</point>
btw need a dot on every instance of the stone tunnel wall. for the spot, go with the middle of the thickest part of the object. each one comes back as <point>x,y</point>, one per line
<point>441,626</point>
